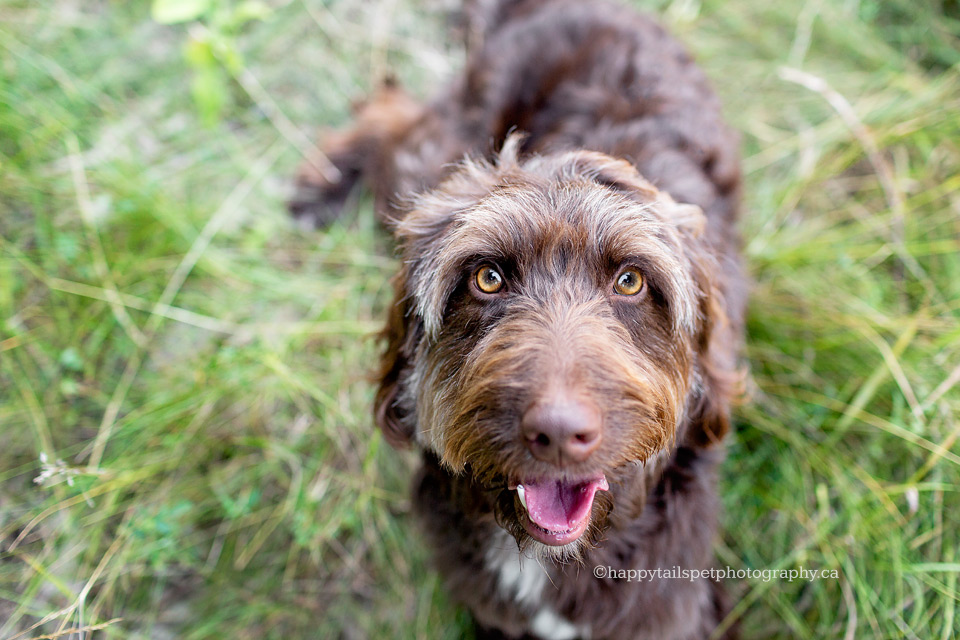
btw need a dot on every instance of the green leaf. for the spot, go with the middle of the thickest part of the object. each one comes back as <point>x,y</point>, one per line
<point>198,53</point>
<point>250,10</point>
<point>176,11</point>
<point>210,92</point>
<point>71,360</point>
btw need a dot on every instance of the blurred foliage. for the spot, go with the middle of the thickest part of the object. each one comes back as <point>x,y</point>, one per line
<point>212,48</point>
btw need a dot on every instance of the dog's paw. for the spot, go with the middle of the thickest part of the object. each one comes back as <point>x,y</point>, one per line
<point>361,151</point>
<point>318,202</point>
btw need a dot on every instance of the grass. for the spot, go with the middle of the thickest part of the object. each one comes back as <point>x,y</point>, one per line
<point>192,369</point>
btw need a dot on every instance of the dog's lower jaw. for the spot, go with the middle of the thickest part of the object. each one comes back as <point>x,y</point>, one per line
<point>457,515</point>
<point>570,553</point>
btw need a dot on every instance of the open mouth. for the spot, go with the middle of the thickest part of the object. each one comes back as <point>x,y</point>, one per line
<point>557,512</point>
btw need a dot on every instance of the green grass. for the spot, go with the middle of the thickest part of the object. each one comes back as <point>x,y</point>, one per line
<point>200,367</point>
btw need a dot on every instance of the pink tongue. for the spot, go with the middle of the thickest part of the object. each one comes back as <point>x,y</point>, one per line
<point>559,506</point>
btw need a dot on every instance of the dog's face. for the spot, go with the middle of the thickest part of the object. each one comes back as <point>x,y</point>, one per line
<point>550,334</point>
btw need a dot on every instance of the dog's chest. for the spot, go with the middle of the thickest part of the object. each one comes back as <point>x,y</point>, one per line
<point>522,581</point>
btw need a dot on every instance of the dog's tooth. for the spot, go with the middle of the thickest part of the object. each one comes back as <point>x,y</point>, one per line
<point>522,493</point>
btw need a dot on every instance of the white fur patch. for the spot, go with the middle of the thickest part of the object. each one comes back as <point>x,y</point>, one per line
<point>520,579</point>
<point>547,624</point>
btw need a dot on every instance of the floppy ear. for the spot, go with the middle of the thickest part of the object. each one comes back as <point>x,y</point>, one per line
<point>718,338</point>
<point>614,173</point>
<point>721,380</point>
<point>401,334</point>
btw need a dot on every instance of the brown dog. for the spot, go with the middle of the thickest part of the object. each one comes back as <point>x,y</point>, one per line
<point>564,341</point>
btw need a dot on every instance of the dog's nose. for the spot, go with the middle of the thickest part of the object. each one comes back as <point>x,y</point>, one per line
<point>561,431</point>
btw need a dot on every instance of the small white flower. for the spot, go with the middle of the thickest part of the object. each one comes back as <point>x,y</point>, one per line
<point>51,474</point>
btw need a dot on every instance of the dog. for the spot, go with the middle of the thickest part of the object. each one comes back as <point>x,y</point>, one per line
<point>564,343</point>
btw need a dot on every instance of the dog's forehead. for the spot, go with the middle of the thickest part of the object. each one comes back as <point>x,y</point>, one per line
<point>580,219</point>
<point>579,211</point>
<point>535,223</point>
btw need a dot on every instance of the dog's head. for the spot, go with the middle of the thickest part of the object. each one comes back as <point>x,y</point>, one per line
<point>551,333</point>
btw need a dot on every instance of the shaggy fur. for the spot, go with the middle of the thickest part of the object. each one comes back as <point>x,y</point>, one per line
<point>621,161</point>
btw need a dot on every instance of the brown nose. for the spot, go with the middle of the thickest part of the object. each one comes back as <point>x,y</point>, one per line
<point>561,431</point>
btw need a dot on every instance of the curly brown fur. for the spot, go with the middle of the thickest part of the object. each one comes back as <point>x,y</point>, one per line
<point>622,161</point>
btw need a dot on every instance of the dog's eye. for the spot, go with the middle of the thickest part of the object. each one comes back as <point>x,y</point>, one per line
<point>488,279</point>
<point>629,282</point>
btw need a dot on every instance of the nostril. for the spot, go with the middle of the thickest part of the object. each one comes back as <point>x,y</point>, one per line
<point>541,439</point>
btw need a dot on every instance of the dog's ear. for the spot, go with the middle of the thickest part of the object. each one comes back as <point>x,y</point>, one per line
<point>401,335</point>
<point>614,173</point>
<point>721,381</point>
<point>622,177</point>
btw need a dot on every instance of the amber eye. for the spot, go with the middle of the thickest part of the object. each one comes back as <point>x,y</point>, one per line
<point>488,279</point>
<point>629,282</point>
